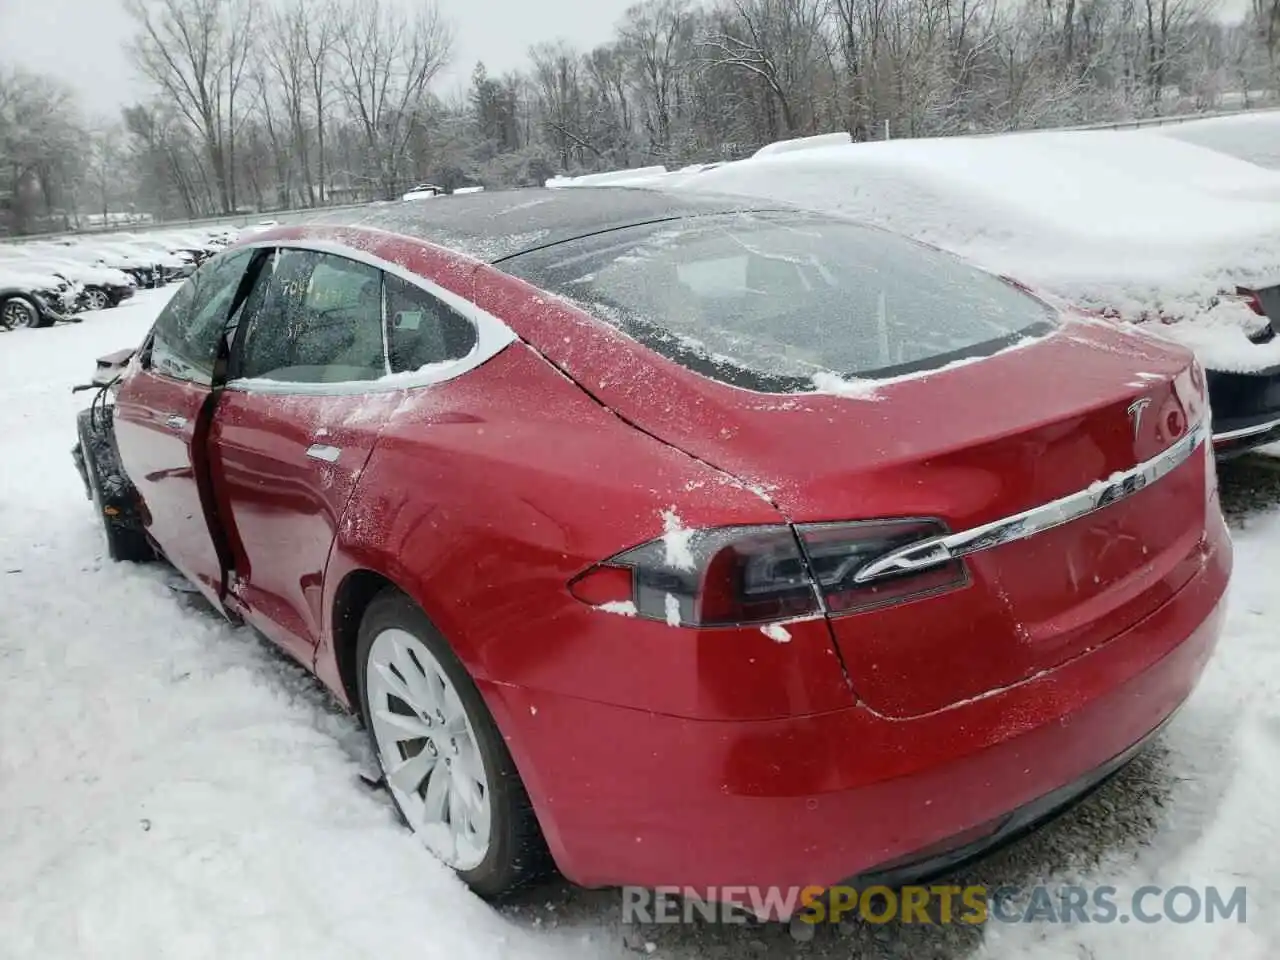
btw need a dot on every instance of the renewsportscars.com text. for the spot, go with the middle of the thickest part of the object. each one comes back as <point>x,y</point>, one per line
<point>938,904</point>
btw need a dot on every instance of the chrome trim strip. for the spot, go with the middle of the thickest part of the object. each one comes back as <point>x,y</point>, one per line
<point>1096,496</point>
<point>1243,432</point>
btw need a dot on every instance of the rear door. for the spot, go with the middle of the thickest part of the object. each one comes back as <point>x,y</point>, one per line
<point>302,411</point>
<point>161,417</point>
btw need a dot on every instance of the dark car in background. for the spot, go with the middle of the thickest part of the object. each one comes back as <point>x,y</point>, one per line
<point>1246,406</point>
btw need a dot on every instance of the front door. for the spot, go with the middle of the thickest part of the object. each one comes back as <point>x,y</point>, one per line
<point>162,416</point>
<point>294,429</point>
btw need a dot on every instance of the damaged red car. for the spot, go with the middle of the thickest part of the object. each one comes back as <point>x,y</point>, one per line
<point>679,540</point>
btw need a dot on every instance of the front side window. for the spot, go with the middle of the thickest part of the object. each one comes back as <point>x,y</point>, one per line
<point>313,318</point>
<point>188,332</point>
<point>768,301</point>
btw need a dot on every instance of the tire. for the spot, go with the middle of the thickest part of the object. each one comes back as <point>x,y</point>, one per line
<point>114,498</point>
<point>95,298</point>
<point>515,853</point>
<point>20,312</point>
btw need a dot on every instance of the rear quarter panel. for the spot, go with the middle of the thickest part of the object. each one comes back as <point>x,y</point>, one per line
<point>487,494</point>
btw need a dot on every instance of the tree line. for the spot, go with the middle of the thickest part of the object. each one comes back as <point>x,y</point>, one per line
<point>259,105</point>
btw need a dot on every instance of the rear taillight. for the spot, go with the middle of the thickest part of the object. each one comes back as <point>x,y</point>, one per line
<point>764,574</point>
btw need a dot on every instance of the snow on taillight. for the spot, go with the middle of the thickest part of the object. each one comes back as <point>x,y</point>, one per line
<point>764,574</point>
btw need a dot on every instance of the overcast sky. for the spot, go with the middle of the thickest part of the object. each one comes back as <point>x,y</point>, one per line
<point>82,41</point>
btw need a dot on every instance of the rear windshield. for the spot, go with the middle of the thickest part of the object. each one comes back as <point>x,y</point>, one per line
<point>767,302</point>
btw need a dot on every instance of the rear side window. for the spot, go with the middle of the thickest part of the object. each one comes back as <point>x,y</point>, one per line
<point>768,301</point>
<point>421,330</point>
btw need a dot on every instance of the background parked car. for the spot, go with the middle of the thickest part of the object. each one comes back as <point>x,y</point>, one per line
<point>422,191</point>
<point>100,287</point>
<point>144,273</point>
<point>174,263</point>
<point>34,299</point>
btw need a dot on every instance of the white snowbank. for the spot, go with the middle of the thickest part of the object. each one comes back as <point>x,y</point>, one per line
<point>803,143</point>
<point>609,178</point>
<point>1220,337</point>
<point>1135,221</point>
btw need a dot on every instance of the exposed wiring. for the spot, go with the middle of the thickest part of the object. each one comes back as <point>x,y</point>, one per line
<point>100,398</point>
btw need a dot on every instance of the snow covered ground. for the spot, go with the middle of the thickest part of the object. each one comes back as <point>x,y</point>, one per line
<point>170,788</point>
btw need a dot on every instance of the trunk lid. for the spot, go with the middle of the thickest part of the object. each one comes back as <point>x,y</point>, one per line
<point>967,444</point>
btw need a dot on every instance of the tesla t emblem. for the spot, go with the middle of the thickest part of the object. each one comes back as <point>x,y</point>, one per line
<point>1135,414</point>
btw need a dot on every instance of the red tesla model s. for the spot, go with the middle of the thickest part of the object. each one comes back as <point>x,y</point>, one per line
<point>681,540</point>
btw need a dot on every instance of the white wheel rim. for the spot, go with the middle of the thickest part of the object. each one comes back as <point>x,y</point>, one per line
<point>97,300</point>
<point>18,314</point>
<point>427,748</point>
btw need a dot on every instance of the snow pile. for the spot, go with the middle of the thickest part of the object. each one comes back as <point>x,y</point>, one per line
<point>609,178</point>
<point>804,143</point>
<point>1133,221</point>
<point>1222,333</point>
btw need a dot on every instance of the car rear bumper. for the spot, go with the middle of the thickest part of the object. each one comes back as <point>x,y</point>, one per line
<point>630,797</point>
<point>1237,438</point>
<point>1246,410</point>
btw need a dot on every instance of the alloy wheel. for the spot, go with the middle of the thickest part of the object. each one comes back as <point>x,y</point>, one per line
<point>19,313</point>
<point>427,747</point>
<point>96,300</point>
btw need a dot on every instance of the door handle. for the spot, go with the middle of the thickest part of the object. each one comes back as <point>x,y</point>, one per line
<point>175,422</point>
<point>320,451</point>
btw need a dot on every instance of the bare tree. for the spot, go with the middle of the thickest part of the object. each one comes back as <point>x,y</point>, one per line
<point>196,52</point>
<point>316,101</point>
<point>104,168</point>
<point>41,145</point>
<point>657,37</point>
<point>385,62</point>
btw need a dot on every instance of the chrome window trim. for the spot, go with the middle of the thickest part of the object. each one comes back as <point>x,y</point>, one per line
<point>492,335</point>
<point>1243,432</point>
<point>1097,496</point>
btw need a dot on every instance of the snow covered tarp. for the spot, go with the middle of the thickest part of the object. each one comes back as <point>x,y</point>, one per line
<point>1134,222</point>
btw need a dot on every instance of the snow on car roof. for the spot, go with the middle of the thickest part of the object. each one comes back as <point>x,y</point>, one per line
<point>492,226</point>
<point>1130,220</point>
<point>1136,221</point>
